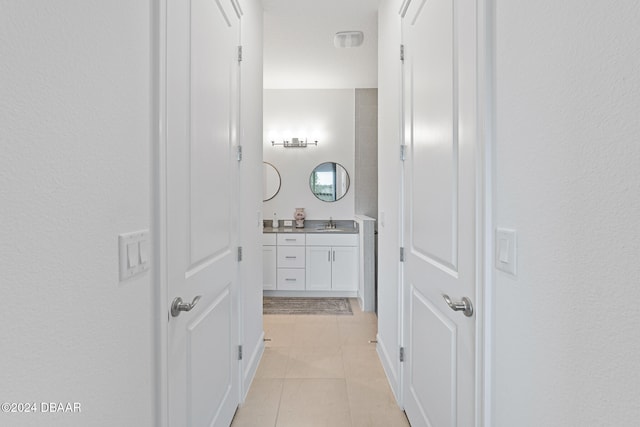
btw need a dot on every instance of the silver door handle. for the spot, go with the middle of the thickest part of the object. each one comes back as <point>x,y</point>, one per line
<point>465,305</point>
<point>178,306</point>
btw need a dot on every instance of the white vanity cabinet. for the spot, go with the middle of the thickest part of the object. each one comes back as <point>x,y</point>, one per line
<point>332,262</point>
<point>269,261</point>
<point>316,264</point>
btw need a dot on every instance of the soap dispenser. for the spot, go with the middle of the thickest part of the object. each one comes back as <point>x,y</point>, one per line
<point>274,224</point>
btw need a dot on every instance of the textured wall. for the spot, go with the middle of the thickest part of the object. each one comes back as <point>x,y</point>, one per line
<point>366,152</point>
<point>567,87</point>
<point>74,173</point>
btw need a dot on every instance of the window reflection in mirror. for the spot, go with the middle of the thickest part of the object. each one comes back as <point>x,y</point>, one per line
<point>270,181</point>
<point>329,181</point>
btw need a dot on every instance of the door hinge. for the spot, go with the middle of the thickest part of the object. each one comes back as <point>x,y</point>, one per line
<point>401,254</point>
<point>402,354</point>
<point>403,152</point>
<point>402,52</point>
<point>239,253</point>
<point>239,352</point>
<point>239,53</point>
<point>239,153</point>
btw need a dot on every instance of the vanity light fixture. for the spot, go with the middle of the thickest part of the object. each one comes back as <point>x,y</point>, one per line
<point>294,143</point>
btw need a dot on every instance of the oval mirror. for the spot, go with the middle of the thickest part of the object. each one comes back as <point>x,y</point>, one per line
<point>270,181</point>
<point>329,181</point>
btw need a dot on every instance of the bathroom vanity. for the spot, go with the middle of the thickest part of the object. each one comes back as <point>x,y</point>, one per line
<point>311,261</point>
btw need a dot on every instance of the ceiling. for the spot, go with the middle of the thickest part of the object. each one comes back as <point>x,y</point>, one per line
<point>298,44</point>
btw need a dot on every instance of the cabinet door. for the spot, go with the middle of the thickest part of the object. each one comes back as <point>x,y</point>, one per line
<point>269,267</point>
<point>344,268</point>
<point>319,267</point>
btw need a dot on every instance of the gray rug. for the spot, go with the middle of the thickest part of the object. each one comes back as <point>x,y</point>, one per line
<point>286,305</point>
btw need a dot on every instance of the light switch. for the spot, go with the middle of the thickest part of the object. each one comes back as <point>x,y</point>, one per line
<point>506,250</point>
<point>144,251</point>
<point>133,253</point>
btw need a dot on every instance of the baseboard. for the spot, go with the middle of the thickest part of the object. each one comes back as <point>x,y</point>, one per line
<point>312,294</point>
<point>388,364</point>
<point>252,366</point>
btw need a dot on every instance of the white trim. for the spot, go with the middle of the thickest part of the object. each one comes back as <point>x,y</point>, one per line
<point>252,366</point>
<point>159,208</point>
<point>402,310</point>
<point>311,294</point>
<point>388,363</point>
<point>484,291</point>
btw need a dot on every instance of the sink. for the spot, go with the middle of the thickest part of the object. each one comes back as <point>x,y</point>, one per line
<point>328,230</point>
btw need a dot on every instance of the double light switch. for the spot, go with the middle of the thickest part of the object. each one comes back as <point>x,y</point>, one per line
<point>134,253</point>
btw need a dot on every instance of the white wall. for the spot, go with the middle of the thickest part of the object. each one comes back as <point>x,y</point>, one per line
<point>299,49</point>
<point>75,135</point>
<point>567,88</point>
<point>327,115</point>
<point>251,191</point>
<point>389,190</point>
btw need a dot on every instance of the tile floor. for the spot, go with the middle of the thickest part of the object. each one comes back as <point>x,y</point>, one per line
<point>320,371</point>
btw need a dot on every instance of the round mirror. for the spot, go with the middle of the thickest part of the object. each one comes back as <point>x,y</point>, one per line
<point>329,181</point>
<point>270,181</point>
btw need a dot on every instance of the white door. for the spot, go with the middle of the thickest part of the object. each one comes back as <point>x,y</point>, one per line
<point>439,211</point>
<point>202,204</point>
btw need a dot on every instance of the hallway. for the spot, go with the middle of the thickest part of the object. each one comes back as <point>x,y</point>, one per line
<point>320,371</point>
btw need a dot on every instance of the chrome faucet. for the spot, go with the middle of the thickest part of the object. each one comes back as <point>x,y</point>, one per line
<point>331,224</point>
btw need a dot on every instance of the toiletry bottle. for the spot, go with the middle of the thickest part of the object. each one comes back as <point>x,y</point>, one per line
<point>274,224</point>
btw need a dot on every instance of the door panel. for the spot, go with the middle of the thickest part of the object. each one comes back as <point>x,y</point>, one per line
<point>440,211</point>
<point>434,146</point>
<point>205,358</point>
<point>211,83</point>
<point>432,361</point>
<point>202,202</point>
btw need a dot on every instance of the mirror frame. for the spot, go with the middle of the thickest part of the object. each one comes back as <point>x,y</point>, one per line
<point>264,164</point>
<point>337,198</point>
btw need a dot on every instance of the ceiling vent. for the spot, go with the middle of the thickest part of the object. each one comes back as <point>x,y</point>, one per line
<point>348,39</point>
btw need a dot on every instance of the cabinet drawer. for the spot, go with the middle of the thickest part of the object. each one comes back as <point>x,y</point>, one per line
<point>291,257</point>
<point>269,239</point>
<point>291,239</point>
<point>332,239</point>
<point>291,279</point>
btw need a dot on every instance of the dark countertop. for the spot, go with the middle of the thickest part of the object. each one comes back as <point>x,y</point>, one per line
<point>317,227</point>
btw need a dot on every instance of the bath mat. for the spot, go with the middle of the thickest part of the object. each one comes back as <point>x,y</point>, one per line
<point>286,305</point>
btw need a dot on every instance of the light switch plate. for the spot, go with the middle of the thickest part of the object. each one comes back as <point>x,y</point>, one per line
<point>134,253</point>
<point>506,250</point>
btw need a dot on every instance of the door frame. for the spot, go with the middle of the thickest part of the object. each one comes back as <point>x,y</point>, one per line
<point>484,216</point>
<point>485,254</point>
<point>159,207</point>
